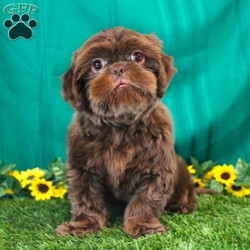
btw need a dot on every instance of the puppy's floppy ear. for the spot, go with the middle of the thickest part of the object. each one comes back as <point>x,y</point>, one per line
<point>166,73</point>
<point>70,91</point>
<point>166,67</point>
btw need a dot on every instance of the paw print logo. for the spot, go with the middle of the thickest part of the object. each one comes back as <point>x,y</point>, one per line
<point>20,28</point>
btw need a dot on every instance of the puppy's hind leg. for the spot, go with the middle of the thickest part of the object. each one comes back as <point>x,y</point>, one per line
<point>184,197</point>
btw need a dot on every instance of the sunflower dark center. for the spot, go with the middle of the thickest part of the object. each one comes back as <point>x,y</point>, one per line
<point>225,176</point>
<point>196,184</point>
<point>31,177</point>
<point>236,188</point>
<point>43,188</point>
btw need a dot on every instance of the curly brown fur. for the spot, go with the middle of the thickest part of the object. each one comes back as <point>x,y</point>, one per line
<point>121,143</point>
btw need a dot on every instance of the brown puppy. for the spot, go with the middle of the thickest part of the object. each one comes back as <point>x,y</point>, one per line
<point>121,143</point>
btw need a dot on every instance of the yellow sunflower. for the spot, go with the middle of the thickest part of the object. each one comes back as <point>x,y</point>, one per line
<point>30,175</point>
<point>191,169</point>
<point>240,191</point>
<point>198,183</point>
<point>210,174</point>
<point>41,189</point>
<point>9,191</point>
<point>59,192</point>
<point>247,190</point>
<point>16,174</point>
<point>225,174</point>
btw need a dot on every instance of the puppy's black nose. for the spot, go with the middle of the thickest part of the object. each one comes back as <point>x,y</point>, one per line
<point>119,70</point>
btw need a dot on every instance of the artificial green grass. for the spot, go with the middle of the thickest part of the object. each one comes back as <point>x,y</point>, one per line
<point>220,222</point>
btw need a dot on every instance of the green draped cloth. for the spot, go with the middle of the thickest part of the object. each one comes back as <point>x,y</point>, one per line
<point>209,97</point>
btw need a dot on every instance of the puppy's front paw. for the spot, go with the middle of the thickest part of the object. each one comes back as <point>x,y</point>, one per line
<point>137,228</point>
<point>80,228</point>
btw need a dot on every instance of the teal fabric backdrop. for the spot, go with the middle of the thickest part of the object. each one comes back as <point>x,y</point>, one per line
<point>208,98</point>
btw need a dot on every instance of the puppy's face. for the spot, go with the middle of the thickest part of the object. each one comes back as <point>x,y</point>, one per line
<point>117,72</point>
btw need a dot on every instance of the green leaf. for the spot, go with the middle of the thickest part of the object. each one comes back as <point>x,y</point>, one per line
<point>194,162</point>
<point>242,171</point>
<point>48,174</point>
<point>7,168</point>
<point>217,186</point>
<point>16,187</point>
<point>245,182</point>
<point>2,178</point>
<point>2,191</point>
<point>201,169</point>
<point>205,167</point>
<point>196,166</point>
<point>196,176</point>
<point>24,192</point>
<point>10,181</point>
<point>57,167</point>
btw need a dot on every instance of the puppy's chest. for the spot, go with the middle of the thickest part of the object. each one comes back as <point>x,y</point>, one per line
<point>116,161</point>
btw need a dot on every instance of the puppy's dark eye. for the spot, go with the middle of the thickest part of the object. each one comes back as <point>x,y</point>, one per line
<point>137,57</point>
<point>97,64</point>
